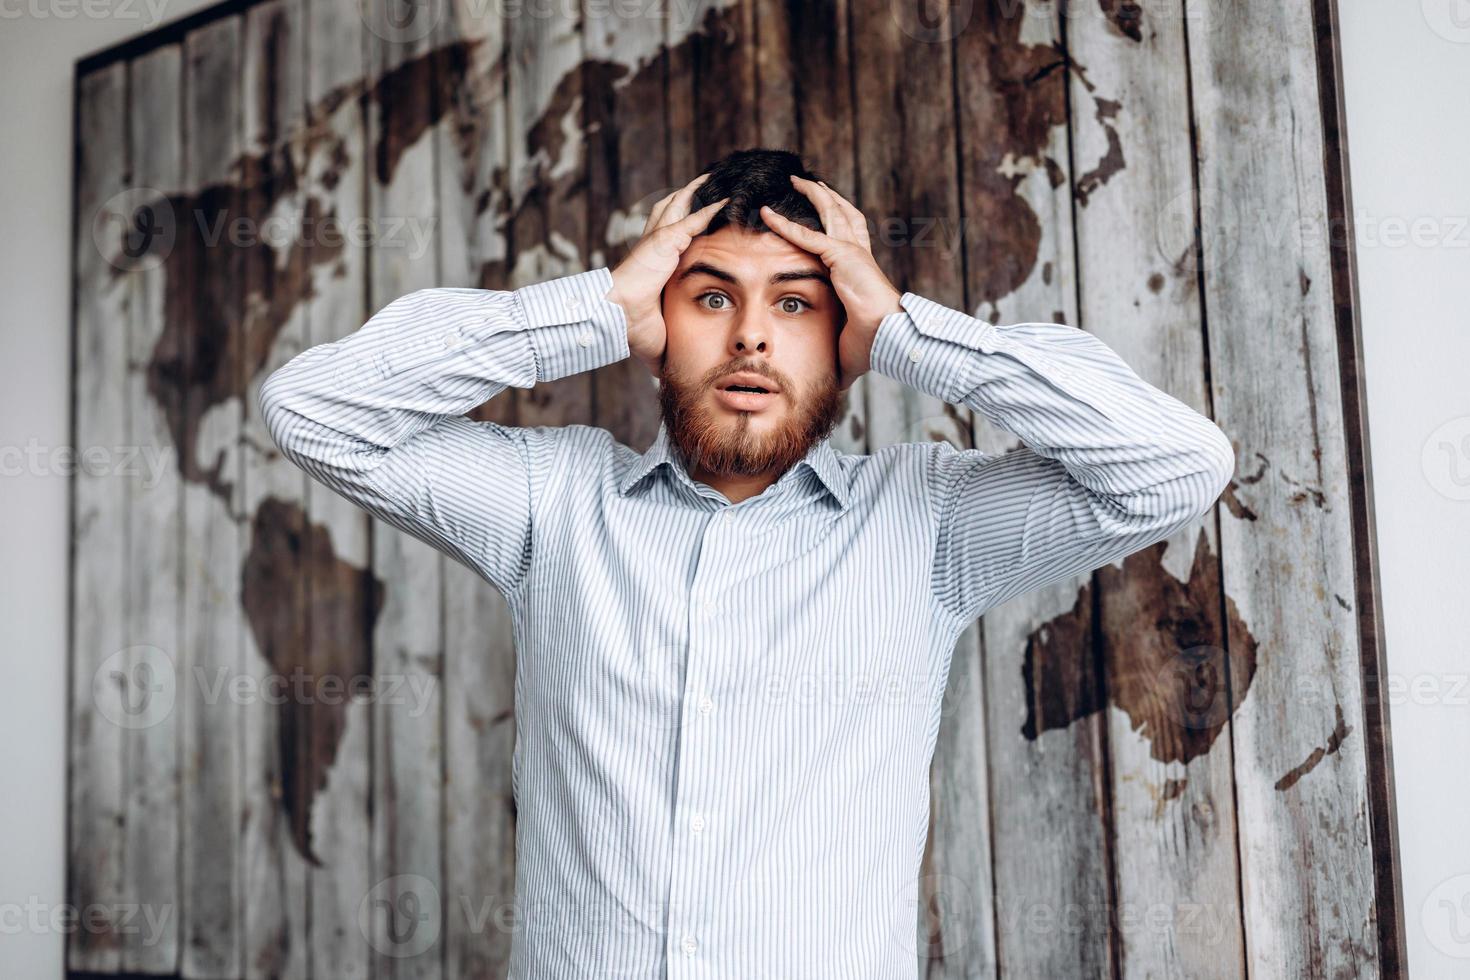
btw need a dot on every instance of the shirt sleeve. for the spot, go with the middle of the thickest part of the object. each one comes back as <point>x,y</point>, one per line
<point>377,416</point>
<point>1109,463</point>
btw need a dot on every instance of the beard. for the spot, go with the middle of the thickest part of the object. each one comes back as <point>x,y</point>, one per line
<point>716,441</point>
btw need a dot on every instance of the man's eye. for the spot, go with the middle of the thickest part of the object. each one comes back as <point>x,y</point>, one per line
<point>792,304</point>
<point>713,301</point>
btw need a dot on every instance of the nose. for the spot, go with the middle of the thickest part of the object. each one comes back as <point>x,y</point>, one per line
<point>750,333</point>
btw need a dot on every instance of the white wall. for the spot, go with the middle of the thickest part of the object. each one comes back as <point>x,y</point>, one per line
<point>1407,74</point>
<point>1407,71</point>
<point>39,42</point>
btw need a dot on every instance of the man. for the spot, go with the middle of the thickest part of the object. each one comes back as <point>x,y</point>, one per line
<point>732,648</point>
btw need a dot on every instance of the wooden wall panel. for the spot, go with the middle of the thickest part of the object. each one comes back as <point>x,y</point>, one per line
<point>1015,226</point>
<point>345,596</point>
<point>99,702</point>
<point>1131,777</point>
<point>208,434</point>
<point>408,642</point>
<point>1167,701</point>
<point>277,738</point>
<point>1306,843</point>
<point>479,651</point>
<point>154,529</point>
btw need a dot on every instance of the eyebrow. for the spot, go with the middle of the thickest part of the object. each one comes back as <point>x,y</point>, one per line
<point>792,275</point>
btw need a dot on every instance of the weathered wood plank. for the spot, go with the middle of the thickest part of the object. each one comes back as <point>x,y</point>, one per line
<point>279,780</point>
<point>155,532</point>
<point>894,78</point>
<point>1176,876</point>
<point>101,687</point>
<point>713,97</point>
<point>627,173</point>
<point>479,651</point>
<point>547,177</point>
<point>1286,541</point>
<point>794,41</point>
<point>1049,833</point>
<point>408,641</point>
<point>806,105</point>
<point>344,596</point>
<point>208,436</point>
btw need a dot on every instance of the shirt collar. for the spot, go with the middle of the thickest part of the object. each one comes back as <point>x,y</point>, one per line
<point>821,459</point>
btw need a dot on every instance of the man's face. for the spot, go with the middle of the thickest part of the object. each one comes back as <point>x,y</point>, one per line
<point>749,302</point>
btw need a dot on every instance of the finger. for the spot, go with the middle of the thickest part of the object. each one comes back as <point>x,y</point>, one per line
<point>678,208</point>
<point>657,212</point>
<point>857,220</point>
<point>832,219</point>
<point>798,235</point>
<point>670,241</point>
<point>835,218</point>
<point>695,223</point>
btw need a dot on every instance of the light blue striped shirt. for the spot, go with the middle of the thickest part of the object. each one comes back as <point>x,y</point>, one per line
<point>725,713</point>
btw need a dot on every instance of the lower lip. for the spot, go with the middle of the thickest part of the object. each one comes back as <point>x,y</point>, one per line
<point>744,401</point>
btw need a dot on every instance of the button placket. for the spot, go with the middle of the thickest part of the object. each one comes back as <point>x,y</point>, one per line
<point>689,902</point>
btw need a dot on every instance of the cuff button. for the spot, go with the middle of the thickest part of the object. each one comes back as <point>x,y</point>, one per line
<point>914,355</point>
<point>585,339</point>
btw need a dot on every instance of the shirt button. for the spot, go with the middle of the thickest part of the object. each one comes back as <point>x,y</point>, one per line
<point>574,304</point>
<point>727,517</point>
<point>585,339</point>
<point>689,946</point>
<point>697,823</point>
<point>914,354</point>
<point>706,705</point>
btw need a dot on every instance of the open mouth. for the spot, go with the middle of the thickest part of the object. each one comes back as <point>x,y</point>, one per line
<point>746,394</point>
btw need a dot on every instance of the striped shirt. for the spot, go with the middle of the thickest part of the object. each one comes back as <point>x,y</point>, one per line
<point>725,713</point>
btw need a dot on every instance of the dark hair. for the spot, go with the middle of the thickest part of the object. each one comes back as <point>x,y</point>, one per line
<point>750,178</point>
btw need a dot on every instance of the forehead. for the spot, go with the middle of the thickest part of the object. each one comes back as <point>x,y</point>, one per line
<point>751,256</point>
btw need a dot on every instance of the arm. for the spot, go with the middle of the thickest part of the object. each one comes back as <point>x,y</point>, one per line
<point>378,415</point>
<point>1110,464</point>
